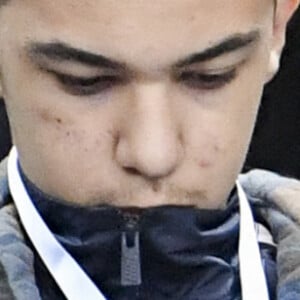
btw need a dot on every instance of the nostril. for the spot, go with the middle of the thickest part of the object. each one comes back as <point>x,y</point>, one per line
<point>132,171</point>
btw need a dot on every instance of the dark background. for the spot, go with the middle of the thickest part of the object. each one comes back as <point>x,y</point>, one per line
<point>276,141</point>
<point>5,140</point>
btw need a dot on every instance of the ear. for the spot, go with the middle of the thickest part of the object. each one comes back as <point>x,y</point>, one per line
<point>283,13</point>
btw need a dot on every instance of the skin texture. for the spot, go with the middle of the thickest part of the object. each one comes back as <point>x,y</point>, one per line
<point>150,138</point>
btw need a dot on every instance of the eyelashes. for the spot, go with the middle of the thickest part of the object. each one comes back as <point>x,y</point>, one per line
<point>87,86</point>
<point>207,81</point>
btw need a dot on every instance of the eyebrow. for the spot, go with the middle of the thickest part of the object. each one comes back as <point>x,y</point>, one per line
<point>61,52</point>
<point>231,44</point>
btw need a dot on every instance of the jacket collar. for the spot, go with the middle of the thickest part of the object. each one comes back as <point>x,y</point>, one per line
<point>285,231</point>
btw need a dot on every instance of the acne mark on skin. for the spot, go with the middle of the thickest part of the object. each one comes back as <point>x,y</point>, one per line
<point>193,18</point>
<point>204,164</point>
<point>217,148</point>
<point>208,161</point>
<point>45,115</point>
<point>98,142</point>
<point>58,120</point>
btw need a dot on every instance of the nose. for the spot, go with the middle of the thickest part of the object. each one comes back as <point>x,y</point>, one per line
<point>150,141</point>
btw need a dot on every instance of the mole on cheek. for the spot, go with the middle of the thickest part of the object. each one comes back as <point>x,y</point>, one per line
<point>58,120</point>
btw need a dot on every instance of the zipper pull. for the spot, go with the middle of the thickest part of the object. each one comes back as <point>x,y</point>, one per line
<point>130,252</point>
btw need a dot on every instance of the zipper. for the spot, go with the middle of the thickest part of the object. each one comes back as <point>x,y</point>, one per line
<point>130,251</point>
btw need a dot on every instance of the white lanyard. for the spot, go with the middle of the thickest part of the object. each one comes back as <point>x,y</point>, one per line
<point>69,276</point>
<point>252,275</point>
<point>75,283</point>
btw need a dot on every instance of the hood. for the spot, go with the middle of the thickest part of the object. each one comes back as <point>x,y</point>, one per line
<point>277,200</point>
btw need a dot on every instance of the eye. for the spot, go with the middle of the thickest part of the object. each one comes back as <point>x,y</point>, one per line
<point>86,86</point>
<point>205,81</point>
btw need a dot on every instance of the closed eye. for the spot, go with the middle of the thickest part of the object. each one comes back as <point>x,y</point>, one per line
<point>206,81</point>
<point>86,86</point>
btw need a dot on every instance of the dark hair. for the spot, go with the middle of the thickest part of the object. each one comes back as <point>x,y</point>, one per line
<point>2,2</point>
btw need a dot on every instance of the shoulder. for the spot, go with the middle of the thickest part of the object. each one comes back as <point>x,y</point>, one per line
<point>273,189</point>
<point>277,199</point>
<point>16,258</point>
<point>10,227</point>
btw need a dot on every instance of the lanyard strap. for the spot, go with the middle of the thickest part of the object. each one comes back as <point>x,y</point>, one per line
<point>75,283</point>
<point>252,275</point>
<point>72,280</point>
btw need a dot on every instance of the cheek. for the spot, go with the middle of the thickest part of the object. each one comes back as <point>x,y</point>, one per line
<point>77,132</point>
<point>214,143</point>
<point>224,151</point>
<point>211,153</point>
<point>59,128</point>
<point>210,156</point>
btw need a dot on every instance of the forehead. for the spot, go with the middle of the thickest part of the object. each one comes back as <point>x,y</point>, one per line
<point>137,26</point>
<point>128,13</point>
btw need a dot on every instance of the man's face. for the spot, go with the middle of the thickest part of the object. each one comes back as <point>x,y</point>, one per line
<point>134,102</point>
